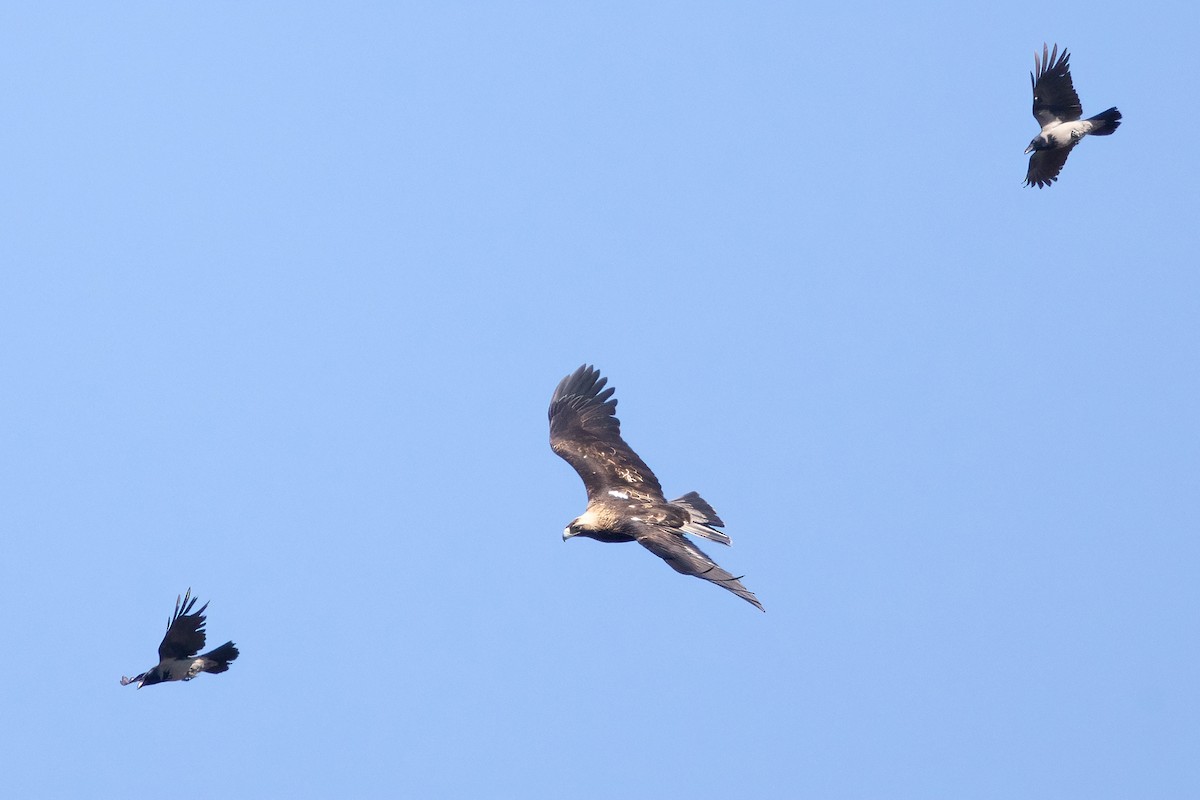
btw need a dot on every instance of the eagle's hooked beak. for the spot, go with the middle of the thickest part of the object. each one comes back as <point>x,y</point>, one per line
<point>567,533</point>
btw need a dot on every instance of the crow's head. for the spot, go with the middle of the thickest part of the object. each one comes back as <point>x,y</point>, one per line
<point>1039,142</point>
<point>150,678</point>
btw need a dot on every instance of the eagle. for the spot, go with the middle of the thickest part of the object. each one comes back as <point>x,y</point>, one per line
<point>625,500</point>
<point>1056,108</point>
<point>177,659</point>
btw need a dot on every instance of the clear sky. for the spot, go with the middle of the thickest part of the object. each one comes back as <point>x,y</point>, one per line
<point>285,292</point>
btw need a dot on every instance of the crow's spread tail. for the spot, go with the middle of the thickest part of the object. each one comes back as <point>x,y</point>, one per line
<point>1105,122</point>
<point>216,661</point>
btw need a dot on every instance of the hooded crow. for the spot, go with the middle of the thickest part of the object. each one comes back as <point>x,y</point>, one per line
<point>1056,108</point>
<point>177,659</point>
<point>625,501</point>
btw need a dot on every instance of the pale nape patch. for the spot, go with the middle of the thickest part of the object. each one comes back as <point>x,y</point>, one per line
<point>589,519</point>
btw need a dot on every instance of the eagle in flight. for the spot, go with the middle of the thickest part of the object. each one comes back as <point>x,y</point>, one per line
<point>625,501</point>
<point>1056,108</point>
<point>177,659</point>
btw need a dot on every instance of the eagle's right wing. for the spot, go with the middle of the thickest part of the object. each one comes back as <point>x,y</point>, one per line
<point>585,431</point>
<point>1054,97</point>
<point>686,558</point>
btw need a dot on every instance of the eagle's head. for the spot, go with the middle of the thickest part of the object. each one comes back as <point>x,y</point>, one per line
<point>584,524</point>
<point>603,525</point>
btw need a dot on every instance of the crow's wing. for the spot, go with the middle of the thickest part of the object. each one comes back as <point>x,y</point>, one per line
<point>686,558</point>
<point>1054,97</point>
<point>1044,166</point>
<point>585,431</point>
<point>185,631</point>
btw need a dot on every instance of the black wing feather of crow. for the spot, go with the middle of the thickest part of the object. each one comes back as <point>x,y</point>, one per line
<point>1044,166</point>
<point>1054,97</point>
<point>185,632</point>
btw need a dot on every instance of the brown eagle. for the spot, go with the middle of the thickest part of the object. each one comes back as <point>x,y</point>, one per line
<point>625,501</point>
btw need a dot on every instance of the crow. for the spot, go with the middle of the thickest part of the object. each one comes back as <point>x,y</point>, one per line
<point>177,659</point>
<point>1056,108</point>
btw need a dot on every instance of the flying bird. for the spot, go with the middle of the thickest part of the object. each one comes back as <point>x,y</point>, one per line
<point>1056,108</point>
<point>625,500</point>
<point>177,659</point>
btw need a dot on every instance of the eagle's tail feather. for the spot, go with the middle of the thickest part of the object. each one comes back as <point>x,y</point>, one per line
<point>1105,122</point>
<point>703,519</point>
<point>218,660</point>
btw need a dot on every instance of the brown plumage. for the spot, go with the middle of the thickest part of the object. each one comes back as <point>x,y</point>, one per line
<point>625,500</point>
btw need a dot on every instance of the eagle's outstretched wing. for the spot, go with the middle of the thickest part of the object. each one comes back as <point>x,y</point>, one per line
<point>685,557</point>
<point>1054,97</point>
<point>185,631</point>
<point>1044,166</point>
<point>585,431</point>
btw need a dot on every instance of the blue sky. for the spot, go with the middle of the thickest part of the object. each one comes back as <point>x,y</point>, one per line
<point>287,289</point>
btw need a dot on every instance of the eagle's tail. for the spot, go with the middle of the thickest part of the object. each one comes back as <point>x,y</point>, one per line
<point>703,518</point>
<point>218,660</point>
<point>1105,122</point>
